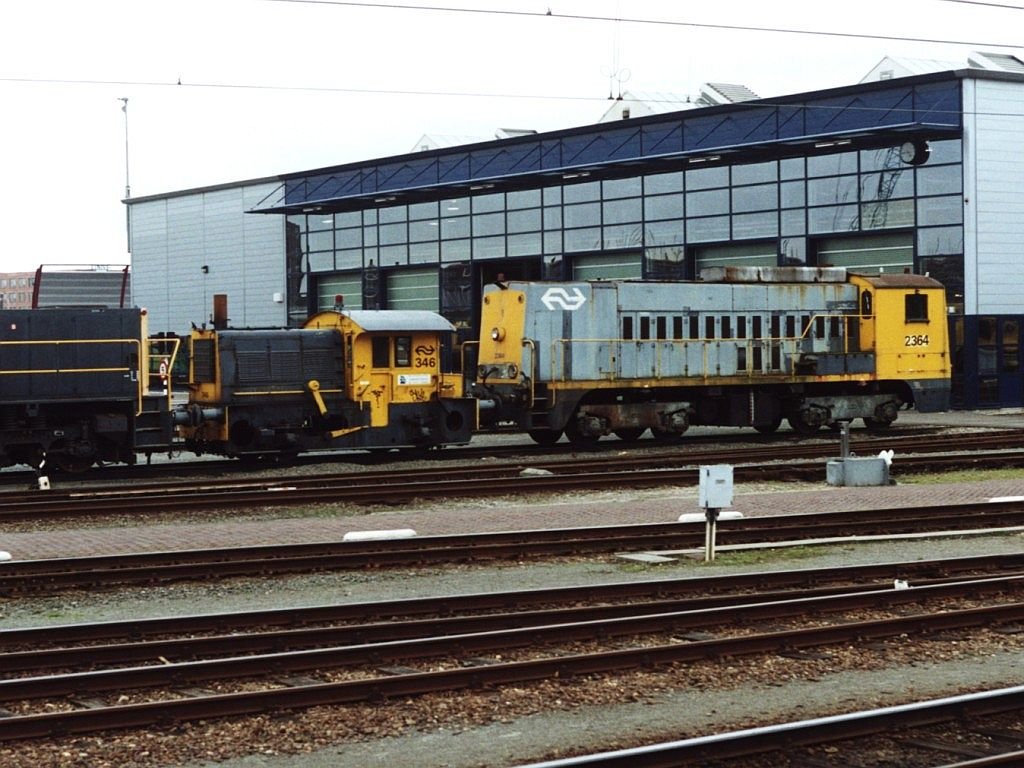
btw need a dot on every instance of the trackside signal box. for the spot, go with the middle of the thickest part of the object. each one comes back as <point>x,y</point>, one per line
<point>715,486</point>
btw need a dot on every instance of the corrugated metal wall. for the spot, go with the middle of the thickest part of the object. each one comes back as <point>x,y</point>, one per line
<point>174,238</point>
<point>994,191</point>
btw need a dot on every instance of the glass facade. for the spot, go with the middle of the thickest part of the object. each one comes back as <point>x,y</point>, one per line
<point>666,225</point>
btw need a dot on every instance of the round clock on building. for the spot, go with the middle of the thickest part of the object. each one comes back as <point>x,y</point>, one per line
<point>915,152</point>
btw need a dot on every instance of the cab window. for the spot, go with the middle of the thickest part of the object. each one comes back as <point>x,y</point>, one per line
<point>381,348</point>
<point>865,304</point>
<point>403,351</point>
<point>916,305</point>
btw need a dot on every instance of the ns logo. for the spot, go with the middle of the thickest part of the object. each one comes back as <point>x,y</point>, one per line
<point>560,298</point>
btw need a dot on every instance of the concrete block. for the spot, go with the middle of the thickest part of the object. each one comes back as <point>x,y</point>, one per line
<point>855,472</point>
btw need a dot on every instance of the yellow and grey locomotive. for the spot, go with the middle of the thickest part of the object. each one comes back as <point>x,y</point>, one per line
<point>741,347</point>
<point>357,379</point>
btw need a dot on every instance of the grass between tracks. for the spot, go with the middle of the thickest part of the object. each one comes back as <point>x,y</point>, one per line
<point>962,476</point>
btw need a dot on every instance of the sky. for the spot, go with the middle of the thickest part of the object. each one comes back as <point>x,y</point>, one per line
<point>227,90</point>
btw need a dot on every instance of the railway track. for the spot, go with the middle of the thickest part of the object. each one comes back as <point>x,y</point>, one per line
<point>48,576</point>
<point>669,468</point>
<point>606,630</point>
<point>976,730</point>
<point>213,467</point>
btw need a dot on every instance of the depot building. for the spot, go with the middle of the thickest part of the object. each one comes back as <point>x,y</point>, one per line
<point>901,172</point>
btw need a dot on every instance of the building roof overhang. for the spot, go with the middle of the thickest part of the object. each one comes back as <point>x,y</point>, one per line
<point>863,116</point>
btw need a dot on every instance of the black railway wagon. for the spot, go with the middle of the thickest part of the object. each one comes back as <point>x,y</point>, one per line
<point>75,388</point>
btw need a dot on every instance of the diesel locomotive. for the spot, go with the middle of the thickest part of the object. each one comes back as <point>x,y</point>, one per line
<point>81,385</point>
<point>349,379</point>
<point>743,346</point>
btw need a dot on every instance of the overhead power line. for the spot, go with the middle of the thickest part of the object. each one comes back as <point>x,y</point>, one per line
<point>549,14</point>
<point>754,104</point>
<point>309,88</point>
<point>1007,6</point>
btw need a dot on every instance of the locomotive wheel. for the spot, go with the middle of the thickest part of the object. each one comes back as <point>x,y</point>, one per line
<point>545,437</point>
<point>256,459</point>
<point>801,427</point>
<point>73,464</point>
<point>770,428</point>
<point>577,438</point>
<point>666,436</point>
<point>876,425</point>
<point>629,434</point>
<point>68,461</point>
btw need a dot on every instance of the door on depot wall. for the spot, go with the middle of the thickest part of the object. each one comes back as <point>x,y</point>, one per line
<point>987,351</point>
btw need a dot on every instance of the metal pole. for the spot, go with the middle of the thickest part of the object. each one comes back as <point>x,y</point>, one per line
<point>710,532</point>
<point>127,181</point>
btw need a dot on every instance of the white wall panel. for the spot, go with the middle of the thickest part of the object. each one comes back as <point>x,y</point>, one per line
<point>173,238</point>
<point>995,197</point>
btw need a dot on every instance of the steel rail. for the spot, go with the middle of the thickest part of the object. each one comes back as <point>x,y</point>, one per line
<point>698,588</point>
<point>756,445</point>
<point>564,667</point>
<point>503,483</point>
<point>422,638</point>
<point>807,733</point>
<point>37,576</point>
<point>366,486</point>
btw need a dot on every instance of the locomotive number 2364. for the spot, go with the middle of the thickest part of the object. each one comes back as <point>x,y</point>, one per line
<point>915,340</point>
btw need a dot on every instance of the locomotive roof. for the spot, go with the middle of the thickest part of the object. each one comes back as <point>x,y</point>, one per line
<point>899,280</point>
<point>773,275</point>
<point>398,320</point>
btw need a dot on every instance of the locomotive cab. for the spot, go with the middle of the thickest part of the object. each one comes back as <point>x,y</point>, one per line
<point>902,323</point>
<point>392,360</point>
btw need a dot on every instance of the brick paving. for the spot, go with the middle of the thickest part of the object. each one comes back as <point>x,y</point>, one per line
<point>467,517</point>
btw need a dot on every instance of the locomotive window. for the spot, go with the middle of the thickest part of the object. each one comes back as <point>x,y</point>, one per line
<point>645,327</point>
<point>741,327</point>
<point>709,327</point>
<point>865,303</point>
<point>916,305</point>
<point>790,326</point>
<point>819,329</point>
<point>758,333</point>
<point>694,327</point>
<point>677,327</point>
<point>381,345</point>
<point>627,328</point>
<point>1011,335</point>
<point>833,327</point>
<point>726,327</point>
<point>662,328</point>
<point>403,346</point>
<point>805,326</point>
<point>203,363</point>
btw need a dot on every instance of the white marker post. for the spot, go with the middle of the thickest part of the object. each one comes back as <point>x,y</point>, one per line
<point>715,493</point>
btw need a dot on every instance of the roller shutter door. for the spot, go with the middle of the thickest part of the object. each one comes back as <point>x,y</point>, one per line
<point>350,287</point>
<point>745,255</point>
<point>871,253</point>
<point>413,289</point>
<point>608,266</point>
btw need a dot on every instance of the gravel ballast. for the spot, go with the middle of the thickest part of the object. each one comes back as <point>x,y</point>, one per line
<point>510,727</point>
